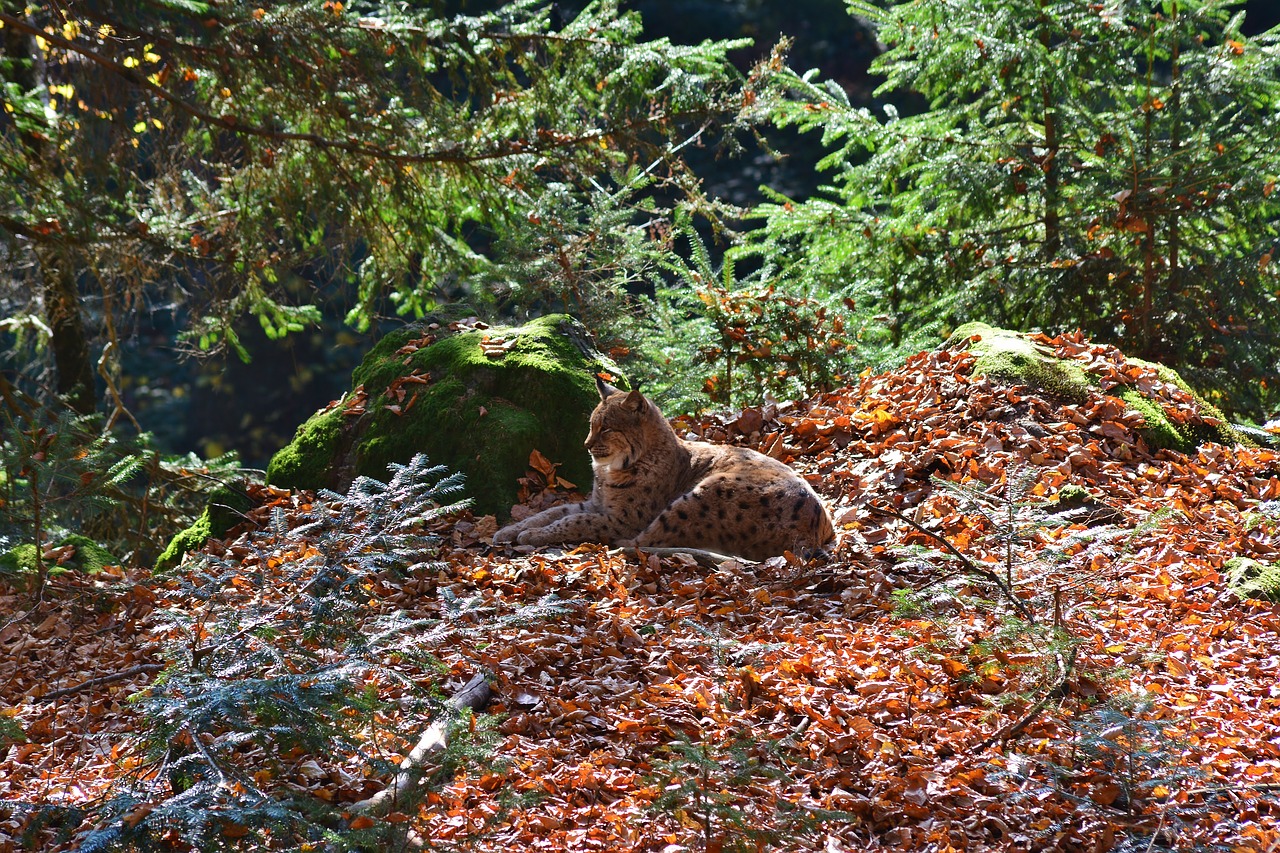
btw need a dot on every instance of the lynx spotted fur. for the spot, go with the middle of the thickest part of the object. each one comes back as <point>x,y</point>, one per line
<point>654,489</point>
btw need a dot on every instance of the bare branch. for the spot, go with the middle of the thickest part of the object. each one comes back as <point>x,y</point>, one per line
<point>474,696</point>
<point>101,680</point>
<point>970,565</point>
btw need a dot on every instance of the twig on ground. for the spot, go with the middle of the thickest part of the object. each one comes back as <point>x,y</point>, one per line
<point>101,680</point>
<point>1232,789</point>
<point>705,558</point>
<point>474,696</point>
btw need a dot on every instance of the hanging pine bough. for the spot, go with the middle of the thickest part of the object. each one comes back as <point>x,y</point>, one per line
<point>224,155</point>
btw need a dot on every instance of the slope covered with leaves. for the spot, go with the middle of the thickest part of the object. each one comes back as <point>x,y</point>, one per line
<point>1072,670</point>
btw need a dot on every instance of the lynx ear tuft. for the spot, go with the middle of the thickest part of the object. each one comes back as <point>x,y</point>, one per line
<point>606,390</point>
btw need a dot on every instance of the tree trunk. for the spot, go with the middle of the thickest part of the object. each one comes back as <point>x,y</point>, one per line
<point>71,358</point>
<point>1049,163</point>
<point>1175,153</point>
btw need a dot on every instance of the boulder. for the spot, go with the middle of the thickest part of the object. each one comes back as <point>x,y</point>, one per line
<point>77,553</point>
<point>226,508</point>
<point>1017,357</point>
<point>473,398</point>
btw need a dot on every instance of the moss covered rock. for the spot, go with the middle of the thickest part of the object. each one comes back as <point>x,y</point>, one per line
<point>1253,578</point>
<point>478,400</point>
<point>86,555</point>
<point>1012,356</point>
<point>225,509</point>
<point>1015,357</point>
<point>19,560</point>
<point>89,556</point>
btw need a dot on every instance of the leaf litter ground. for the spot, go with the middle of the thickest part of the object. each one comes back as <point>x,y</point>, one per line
<point>796,704</point>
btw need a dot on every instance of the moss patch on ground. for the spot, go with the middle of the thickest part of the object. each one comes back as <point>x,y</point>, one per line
<point>225,509</point>
<point>19,563</point>
<point>1253,578</point>
<point>478,401</point>
<point>1012,356</point>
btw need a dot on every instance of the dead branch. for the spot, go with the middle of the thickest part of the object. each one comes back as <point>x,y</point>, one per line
<point>1011,731</point>
<point>970,565</point>
<point>474,696</point>
<point>101,680</point>
<point>1066,663</point>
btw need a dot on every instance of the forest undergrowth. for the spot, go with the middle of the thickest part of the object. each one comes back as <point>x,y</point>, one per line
<point>1026,639</point>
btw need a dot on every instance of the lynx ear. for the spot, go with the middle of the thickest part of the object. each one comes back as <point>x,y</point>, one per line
<point>606,390</point>
<point>635,400</point>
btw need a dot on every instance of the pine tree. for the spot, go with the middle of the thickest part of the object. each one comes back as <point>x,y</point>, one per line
<point>202,155</point>
<point>1107,166</point>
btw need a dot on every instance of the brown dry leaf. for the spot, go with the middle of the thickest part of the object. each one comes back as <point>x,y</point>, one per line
<point>540,463</point>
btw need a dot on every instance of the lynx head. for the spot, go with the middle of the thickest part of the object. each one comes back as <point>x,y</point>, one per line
<point>619,426</point>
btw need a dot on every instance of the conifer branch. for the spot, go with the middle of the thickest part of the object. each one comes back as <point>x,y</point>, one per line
<point>970,565</point>
<point>548,140</point>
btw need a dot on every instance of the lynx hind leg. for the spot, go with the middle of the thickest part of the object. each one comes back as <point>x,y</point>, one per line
<point>540,519</point>
<point>691,520</point>
<point>732,516</point>
<point>586,525</point>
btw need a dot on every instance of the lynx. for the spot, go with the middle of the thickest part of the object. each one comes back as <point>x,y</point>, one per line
<point>654,489</point>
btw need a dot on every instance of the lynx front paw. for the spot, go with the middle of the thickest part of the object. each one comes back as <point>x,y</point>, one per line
<point>535,536</point>
<point>506,534</point>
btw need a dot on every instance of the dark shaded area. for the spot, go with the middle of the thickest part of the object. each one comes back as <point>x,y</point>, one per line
<point>1260,16</point>
<point>823,35</point>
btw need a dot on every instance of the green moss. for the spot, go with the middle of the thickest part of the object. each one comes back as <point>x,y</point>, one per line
<point>90,557</point>
<point>1003,354</point>
<point>1159,430</point>
<point>19,560</point>
<point>1009,355</point>
<point>1072,495</point>
<point>1196,434</point>
<point>19,563</point>
<point>1253,578</point>
<point>379,366</point>
<point>304,463</point>
<point>491,397</point>
<point>187,540</point>
<point>483,415</point>
<point>225,509</point>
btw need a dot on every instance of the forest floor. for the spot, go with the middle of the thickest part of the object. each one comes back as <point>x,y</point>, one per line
<point>1091,682</point>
